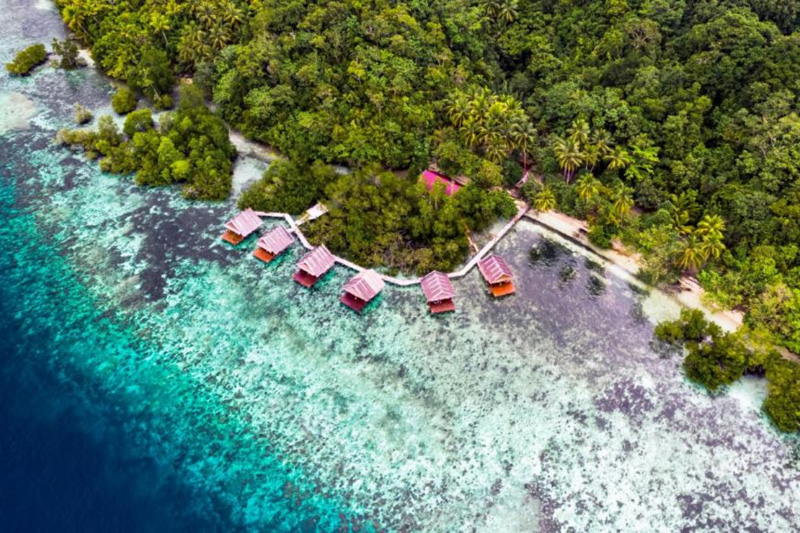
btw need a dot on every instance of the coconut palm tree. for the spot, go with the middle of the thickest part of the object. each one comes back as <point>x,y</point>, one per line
<point>579,132</point>
<point>601,140</point>
<point>458,110</point>
<point>588,187</point>
<point>507,11</point>
<point>618,158</point>
<point>591,155</point>
<point>545,200</point>
<point>496,149</point>
<point>711,227</point>
<point>471,131</point>
<point>569,156</point>
<point>712,247</point>
<point>623,202</point>
<point>692,255</point>
<point>681,208</point>
<point>523,135</point>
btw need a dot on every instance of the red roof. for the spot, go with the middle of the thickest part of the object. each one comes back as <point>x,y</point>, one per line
<point>365,285</point>
<point>276,240</point>
<point>495,269</point>
<point>430,177</point>
<point>317,261</point>
<point>244,223</point>
<point>437,287</point>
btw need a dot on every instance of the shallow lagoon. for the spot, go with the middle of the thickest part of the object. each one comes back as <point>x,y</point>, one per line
<point>274,408</point>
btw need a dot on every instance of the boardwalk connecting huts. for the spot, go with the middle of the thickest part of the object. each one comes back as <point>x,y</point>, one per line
<point>361,289</point>
<point>241,226</point>
<point>498,276</point>
<point>273,243</point>
<point>439,292</point>
<point>313,266</point>
<point>318,261</point>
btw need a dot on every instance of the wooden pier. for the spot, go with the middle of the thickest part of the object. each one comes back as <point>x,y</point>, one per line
<point>522,208</point>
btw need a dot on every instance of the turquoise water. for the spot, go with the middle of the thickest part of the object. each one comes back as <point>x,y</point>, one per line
<point>253,404</point>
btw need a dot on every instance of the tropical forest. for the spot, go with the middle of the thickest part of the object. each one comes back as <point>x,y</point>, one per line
<point>670,126</point>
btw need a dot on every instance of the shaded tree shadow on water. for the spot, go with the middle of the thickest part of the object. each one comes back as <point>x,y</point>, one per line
<point>596,286</point>
<point>546,252</point>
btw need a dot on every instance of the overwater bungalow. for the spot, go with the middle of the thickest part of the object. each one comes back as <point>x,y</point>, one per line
<point>439,292</point>
<point>498,276</point>
<point>313,266</point>
<point>273,243</point>
<point>361,289</point>
<point>430,178</point>
<point>241,226</point>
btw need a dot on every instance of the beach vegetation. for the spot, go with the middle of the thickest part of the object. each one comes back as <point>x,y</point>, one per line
<point>123,101</point>
<point>716,359</point>
<point>188,146</point>
<point>28,59</point>
<point>82,115</point>
<point>624,111</point>
<point>67,53</point>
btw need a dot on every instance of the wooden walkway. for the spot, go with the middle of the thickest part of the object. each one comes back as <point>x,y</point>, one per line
<point>522,208</point>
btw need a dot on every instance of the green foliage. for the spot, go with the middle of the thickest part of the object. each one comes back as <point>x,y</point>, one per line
<point>289,187</point>
<point>28,59</point>
<point>687,107</point>
<point>152,77</point>
<point>123,101</point>
<point>716,363</point>
<point>82,115</point>
<point>137,121</point>
<point>189,146</point>
<point>377,218</point>
<point>783,399</point>
<point>715,358</point>
<point>67,51</point>
<point>599,236</point>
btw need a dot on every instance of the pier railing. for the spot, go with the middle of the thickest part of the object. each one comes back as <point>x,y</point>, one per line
<point>522,208</point>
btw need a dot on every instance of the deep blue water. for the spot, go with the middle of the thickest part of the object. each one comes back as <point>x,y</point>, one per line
<point>57,476</point>
<point>64,464</point>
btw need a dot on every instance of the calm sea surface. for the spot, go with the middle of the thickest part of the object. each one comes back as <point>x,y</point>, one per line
<point>154,379</point>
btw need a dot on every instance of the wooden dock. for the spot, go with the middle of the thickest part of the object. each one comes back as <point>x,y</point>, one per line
<point>522,208</point>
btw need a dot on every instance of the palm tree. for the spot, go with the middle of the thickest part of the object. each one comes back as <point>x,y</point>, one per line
<point>218,36</point>
<point>623,202</point>
<point>681,208</point>
<point>618,158</point>
<point>601,140</point>
<point>579,132</point>
<point>545,200</point>
<point>588,187</point>
<point>496,149</point>
<point>507,11</point>
<point>231,14</point>
<point>711,227</point>
<point>691,256</point>
<point>471,131</point>
<point>523,135</point>
<point>569,156</point>
<point>712,247</point>
<point>458,110</point>
<point>591,155</point>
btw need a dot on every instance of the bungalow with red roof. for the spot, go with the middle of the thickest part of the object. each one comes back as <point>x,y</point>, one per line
<point>241,226</point>
<point>439,292</point>
<point>273,243</point>
<point>313,266</point>
<point>361,289</point>
<point>431,178</point>
<point>497,275</point>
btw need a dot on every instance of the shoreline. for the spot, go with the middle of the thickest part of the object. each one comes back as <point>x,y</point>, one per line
<point>690,295</point>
